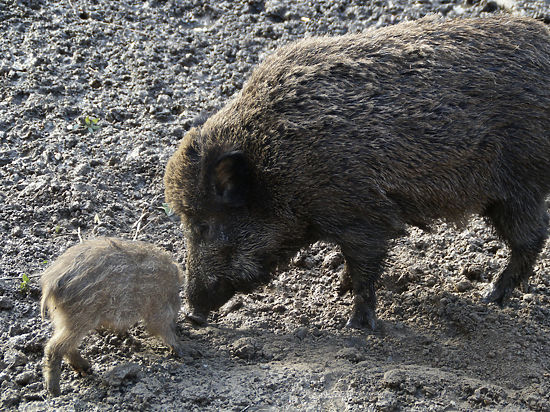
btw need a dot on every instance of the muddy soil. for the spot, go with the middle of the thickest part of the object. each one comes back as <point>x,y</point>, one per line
<point>94,97</point>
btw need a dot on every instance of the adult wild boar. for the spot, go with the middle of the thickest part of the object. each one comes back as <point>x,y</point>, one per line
<point>349,139</point>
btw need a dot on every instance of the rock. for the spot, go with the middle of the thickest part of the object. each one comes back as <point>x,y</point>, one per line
<point>276,11</point>
<point>14,357</point>
<point>387,401</point>
<point>351,354</point>
<point>5,303</point>
<point>164,100</point>
<point>25,378</point>
<point>82,169</point>
<point>303,260</point>
<point>17,231</point>
<point>18,341</point>
<point>232,306</point>
<point>333,260</point>
<point>9,397</point>
<point>95,84</point>
<point>244,348</point>
<point>463,285</point>
<point>394,378</point>
<point>141,391</point>
<point>472,272</point>
<point>301,333</point>
<point>279,308</point>
<point>121,373</point>
<point>528,297</point>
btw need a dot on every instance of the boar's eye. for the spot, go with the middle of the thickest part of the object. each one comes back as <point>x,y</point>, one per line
<point>192,228</point>
<point>204,230</point>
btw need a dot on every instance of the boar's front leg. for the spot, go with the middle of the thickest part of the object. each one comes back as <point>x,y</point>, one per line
<point>363,268</point>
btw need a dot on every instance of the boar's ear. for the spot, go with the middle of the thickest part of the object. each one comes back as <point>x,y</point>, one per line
<point>232,179</point>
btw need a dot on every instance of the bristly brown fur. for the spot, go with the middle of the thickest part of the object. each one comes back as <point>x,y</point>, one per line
<point>349,139</point>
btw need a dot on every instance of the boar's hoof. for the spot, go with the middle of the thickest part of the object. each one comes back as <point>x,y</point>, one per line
<point>197,318</point>
<point>496,294</point>
<point>362,321</point>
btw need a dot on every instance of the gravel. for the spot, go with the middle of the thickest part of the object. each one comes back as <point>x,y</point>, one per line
<point>94,97</point>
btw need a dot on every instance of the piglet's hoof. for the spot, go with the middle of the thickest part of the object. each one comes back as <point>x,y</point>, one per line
<point>179,350</point>
<point>197,318</point>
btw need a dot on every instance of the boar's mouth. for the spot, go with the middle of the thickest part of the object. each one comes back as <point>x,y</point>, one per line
<point>224,289</point>
<point>210,298</point>
<point>197,318</point>
<point>277,262</point>
<point>270,263</point>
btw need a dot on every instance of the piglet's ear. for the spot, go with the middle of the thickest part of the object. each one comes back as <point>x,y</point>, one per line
<point>232,179</point>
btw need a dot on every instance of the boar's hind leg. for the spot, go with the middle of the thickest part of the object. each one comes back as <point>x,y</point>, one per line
<point>524,227</point>
<point>363,268</point>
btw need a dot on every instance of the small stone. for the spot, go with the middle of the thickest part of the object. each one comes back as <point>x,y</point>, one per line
<point>140,391</point>
<point>304,261</point>
<point>82,169</point>
<point>5,303</point>
<point>351,354</point>
<point>490,7</point>
<point>301,333</point>
<point>472,272</point>
<point>120,373</point>
<point>463,286</point>
<point>17,231</point>
<point>276,10</point>
<point>431,281</point>
<point>95,84</point>
<point>528,297</point>
<point>387,401</point>
<point>232,306</point>
<point>333,260</point>
<point>394,378</point>
<point>25,378</point>
<point>9,397</point>
<point>14,357</point>
<point>279,308</point>
<point>15,330</point>
<point>164,100</point>
<point>244,348</point>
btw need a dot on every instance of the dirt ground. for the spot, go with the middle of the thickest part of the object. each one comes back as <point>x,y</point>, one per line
<point>94,97</point>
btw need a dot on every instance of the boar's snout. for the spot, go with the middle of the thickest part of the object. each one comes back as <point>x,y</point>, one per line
<point>204,297</point>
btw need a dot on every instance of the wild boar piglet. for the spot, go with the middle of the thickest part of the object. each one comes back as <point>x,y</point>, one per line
<point>107,282</point>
